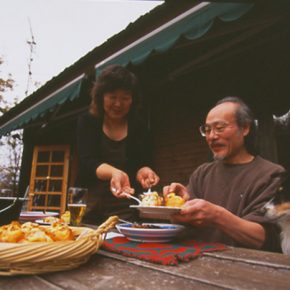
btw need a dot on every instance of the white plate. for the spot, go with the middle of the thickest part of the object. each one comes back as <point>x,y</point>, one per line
<point>165,232</point>
<point>34,215</point>
<point>158,212</point>
<point>42,222</point>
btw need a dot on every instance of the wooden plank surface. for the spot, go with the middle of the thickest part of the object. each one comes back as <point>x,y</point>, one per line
<point>107,273</point>
<point>234,268</point>
<point>274,260</point>
<point>26,283</point>
<point>218,270</point>
<point>223,273</point>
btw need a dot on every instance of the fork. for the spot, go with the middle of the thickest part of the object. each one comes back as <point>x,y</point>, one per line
<point>133,197</point>
<point>128,195</point>
<point>148,191</point>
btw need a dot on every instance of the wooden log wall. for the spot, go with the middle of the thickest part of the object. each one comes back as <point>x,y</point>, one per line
<point>178,145</point>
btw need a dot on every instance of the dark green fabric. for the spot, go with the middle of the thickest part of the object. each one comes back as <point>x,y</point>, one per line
<point>49,104</point>
<point>192,26</point>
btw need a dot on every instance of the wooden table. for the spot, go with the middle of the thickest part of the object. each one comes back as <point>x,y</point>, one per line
<point>235,268</point>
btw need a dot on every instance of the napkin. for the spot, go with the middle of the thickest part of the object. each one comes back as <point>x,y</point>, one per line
<point>162,253</point>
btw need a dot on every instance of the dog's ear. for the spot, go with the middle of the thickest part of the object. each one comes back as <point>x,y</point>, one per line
<point>283,192</point>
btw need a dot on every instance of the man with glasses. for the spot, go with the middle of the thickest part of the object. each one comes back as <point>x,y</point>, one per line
<point>225,197</point>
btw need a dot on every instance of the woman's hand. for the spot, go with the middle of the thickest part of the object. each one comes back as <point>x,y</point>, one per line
<point>119,180</point>
<point>178,189</point>
<point>147,177</point>
<point>120,184</point>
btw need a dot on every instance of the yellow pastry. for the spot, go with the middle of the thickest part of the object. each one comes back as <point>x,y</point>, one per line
<point>60,232</point>
<point>66,217</point>
<point>11,233</point>
<point>152,199</point>
<point>174,200</point>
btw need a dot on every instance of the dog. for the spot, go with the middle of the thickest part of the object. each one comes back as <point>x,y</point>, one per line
<point>278,210</point>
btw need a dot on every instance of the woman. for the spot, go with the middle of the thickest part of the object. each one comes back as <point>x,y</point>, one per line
<point>114,146</point>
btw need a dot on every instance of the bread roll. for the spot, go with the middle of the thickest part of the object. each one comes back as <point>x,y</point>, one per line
<point>174,200</point>
<point>152,199</point>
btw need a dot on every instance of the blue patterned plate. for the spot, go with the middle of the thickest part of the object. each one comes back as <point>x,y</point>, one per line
<point>162,233</point>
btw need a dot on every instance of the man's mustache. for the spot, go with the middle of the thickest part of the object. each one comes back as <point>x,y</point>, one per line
<point>214,143</point>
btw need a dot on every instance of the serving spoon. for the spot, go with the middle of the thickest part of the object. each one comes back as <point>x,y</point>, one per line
<point>148,191</point>
<point>133,197</point>
<point>129,196</point>
<point>124,221</point>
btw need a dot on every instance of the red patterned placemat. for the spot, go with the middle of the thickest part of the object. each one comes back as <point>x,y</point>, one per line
<point>162,253</point>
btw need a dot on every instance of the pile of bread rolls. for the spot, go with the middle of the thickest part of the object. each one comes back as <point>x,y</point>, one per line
<point>32,232</point>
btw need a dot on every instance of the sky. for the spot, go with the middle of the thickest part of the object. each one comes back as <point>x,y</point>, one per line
<point>63,30</point>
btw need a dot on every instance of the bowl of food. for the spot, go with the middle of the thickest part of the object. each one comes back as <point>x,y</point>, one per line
<point>150,232</point>
<point>157,207</point>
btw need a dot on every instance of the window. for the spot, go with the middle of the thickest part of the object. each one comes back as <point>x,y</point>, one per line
<point>49,176</point>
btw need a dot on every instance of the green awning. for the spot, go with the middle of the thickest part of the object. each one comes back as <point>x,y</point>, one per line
<point>191,25</point>
<point>48,104</point>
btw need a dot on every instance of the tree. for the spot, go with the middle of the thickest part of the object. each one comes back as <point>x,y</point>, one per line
<point>11,144</point>
<point>10,170</point>
<point>6,84</point>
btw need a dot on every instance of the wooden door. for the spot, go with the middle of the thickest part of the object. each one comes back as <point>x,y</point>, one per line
<point>49,177</point>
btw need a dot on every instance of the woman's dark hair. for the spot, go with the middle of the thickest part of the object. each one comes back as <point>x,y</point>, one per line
<point>112,78</point>
<point>244,117</point>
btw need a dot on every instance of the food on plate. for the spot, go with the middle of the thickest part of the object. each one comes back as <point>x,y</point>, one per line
<point>144,226</point>
<point>151,199</point>
<point>174,200</point>
<point>66,217</point>
<point>32,232</point>
<point>51,219</point>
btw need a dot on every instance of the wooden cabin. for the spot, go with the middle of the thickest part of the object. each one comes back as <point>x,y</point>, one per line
<point>187,55</point>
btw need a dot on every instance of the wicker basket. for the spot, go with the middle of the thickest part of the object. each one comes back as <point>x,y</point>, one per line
<point>37,258</point>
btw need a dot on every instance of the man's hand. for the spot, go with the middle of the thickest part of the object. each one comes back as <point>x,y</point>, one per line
<point>178,189</point>
<point>198,212</point>
<point>201,213</point>
<point>147,177</point>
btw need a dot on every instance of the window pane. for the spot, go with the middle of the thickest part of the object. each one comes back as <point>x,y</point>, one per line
<point>38,200</point>
<point>56,170</point>
<point>41,171</point>
<point>43,156</point>
<point>40,185</point>
<point>57,156</point>
<point>55,185</point>
<point>53,200</point>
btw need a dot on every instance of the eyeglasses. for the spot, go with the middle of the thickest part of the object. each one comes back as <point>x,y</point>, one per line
<point>217,128</point>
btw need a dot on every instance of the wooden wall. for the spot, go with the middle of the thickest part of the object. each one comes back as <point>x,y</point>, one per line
<point>179,148</point>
